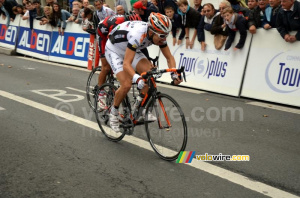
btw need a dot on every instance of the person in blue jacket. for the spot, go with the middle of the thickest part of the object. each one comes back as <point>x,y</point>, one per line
<point>60,16</point>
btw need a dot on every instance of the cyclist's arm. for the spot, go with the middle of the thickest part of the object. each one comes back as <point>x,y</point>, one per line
<point>171,62</point>
<point>127,63</point>
<point>170,58</point>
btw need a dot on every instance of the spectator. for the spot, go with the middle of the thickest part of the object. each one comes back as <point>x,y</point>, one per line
<point>102,11</point>
<point>270,16</point>
<point>75,14</point>
<point>76,3</point>
<point>176,23</point>
<point>239,7</point>
<point>20,9</point>
<point>252,4</point>
<point>197,5</point>
<point>38,7</point>
<point>219,25</point>
<point>106,5</point>
<point>7,6</point>
<point>120,10</point>
<point>50,2</point>
<point>90,21</point>
<point>24,2</point>
<point>288,19</point>
<point>164,3</point>
<point>155,3</point>
<point>190,19</point>
<point>235,22</point>
<point>206,23</point>
<point>30,14</point>
<point>48,17</point>
<point>149,5</point>
<point>123,4</point>
<point>141,10</point>
<point>60,16</point>
<point>219,29</point>
<point>256,16</point>
<point>85,3</point>
<point>15,10</point>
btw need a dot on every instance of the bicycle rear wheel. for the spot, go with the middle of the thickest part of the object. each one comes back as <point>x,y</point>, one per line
<point>90,86</point>
<point>102,116</point>
<point>168,134</point>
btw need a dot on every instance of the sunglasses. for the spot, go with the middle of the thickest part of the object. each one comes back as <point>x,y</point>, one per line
<point>162,36</point>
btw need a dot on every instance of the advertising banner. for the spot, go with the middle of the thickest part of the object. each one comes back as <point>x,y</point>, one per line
<point>212,70</point>
<point>72,47</point>
<point>8,35</point>
<point>273,69</point>
<point>35,43</point>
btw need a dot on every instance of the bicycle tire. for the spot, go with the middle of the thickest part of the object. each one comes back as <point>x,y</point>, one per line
<point>102,117</point>
<point>90,85</point>
<point>170,120</point>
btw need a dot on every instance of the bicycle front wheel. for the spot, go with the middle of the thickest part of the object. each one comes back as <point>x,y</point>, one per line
<point>102,116</point>
<point>90,86</point>
<point>168,134</point>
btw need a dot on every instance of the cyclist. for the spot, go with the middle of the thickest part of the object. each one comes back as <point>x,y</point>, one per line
<point>123,53</point>
<point>103,30</point>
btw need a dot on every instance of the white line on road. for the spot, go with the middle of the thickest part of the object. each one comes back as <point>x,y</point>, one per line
<point>1,108</point>
<point>276,107</point>
<point>214,170</point>
<point>74,89</point>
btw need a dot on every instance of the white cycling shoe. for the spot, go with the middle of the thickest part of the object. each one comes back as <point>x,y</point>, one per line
<point>114,123</point>
<point>150,117</point>
<point>102,101</point>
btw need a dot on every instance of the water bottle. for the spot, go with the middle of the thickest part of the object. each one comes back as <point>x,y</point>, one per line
<point>136,105</point>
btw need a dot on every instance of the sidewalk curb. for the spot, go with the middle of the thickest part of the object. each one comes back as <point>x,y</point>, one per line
<point>6,51</point>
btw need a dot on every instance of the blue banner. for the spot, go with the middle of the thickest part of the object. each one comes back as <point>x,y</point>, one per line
<point>37,41</point>
<point>8,35</point>
<point>71,46</point>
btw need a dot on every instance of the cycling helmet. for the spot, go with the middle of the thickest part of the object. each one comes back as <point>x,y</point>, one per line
<point>132,16</point>
<point>159,23</point>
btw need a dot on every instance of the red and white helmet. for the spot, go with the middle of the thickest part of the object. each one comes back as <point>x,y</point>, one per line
<point>159,23</point>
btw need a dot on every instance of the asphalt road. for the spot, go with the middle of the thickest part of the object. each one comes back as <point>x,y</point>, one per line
<point>45,155</point>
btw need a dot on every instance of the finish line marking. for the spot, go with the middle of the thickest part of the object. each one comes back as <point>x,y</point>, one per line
<point>206,167</point>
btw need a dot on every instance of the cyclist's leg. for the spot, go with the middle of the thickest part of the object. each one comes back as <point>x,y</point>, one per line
<point>141,64</point>
<point>113,57</point>
<point>105,68</point>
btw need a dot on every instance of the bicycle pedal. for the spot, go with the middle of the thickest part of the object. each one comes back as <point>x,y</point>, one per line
<point>128,132</point>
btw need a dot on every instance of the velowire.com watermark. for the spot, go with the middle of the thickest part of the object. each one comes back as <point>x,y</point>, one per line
<point>188,156</point>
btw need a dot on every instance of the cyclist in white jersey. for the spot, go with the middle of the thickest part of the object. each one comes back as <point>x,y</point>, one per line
<point>122,52</point>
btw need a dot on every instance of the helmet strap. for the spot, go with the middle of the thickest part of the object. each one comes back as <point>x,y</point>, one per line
<point>150,38</point>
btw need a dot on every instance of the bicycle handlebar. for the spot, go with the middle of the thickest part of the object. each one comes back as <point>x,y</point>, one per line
<point>146,75</point>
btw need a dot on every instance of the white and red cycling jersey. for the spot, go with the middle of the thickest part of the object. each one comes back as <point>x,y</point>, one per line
<point>132,35</point>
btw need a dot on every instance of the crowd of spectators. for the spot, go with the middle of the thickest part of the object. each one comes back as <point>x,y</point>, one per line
<point>222,22</point>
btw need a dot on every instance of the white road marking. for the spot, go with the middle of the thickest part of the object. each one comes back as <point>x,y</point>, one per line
<point>57,94</point>
<point>276,107</point>
<point>214,170</point>
<point>1,109</point>
<point>74,89</point>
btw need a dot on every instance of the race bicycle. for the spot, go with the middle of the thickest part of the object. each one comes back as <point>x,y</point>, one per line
<point>167,134</point>
<point>93,81</point>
